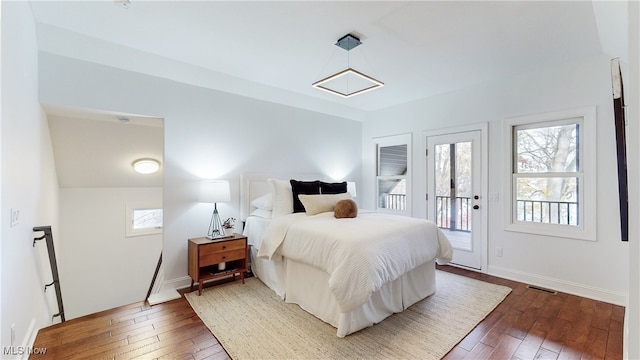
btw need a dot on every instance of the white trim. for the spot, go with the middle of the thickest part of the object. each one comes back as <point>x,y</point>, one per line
<point>583,290</point>
<point>163,296</point>
<point>391,140</point>
<point>177,283</point>
<point>26,346</point>
<point>588,202</point>
<point>182,282</point>
<point>130,231</point>
<point>484,148</point>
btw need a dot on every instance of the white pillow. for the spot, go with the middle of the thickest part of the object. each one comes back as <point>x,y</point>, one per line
<point>267,214</point>
<point>316,204</point>
<point>282,197</point>
<point>264,202</point>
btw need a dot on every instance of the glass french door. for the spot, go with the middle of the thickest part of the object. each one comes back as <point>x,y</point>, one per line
<point>454,193</point>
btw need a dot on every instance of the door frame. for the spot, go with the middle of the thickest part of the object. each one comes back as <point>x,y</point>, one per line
<point>484,178</point>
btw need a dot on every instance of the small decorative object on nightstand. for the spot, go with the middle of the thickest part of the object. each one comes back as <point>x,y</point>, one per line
<point>228,225</point>
<point>205,256</point>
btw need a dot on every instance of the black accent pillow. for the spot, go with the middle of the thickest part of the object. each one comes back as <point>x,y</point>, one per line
<point>303,187</point>
<point>333,188</point>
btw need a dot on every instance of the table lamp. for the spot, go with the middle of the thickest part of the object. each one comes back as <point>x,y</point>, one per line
<point>215,191</point>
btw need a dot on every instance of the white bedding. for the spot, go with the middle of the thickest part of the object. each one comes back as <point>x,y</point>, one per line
<point>360,254</point>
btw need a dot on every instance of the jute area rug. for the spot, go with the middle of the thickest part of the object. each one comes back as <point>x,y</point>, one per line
<point>252,322</point>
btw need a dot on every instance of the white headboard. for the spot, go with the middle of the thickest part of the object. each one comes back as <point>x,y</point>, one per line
<point>253,185</point>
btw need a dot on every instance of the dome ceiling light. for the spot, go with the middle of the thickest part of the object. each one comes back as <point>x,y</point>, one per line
<point>146,166</point>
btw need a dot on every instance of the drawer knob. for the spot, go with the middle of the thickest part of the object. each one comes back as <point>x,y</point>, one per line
<point>224,257</point>
<point>224,247</point>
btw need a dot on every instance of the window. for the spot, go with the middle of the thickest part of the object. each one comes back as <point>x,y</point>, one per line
<point>552,174</point>
<point>453,185</point>
<point>143,221</point>
<point>393,173</point>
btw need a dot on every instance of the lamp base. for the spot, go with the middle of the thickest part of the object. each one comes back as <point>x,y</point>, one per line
<point>217,237</point>
<point>215,227</point>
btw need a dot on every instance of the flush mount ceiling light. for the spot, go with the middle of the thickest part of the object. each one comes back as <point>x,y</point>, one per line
<point>146,166</point>
<point>348,82</point>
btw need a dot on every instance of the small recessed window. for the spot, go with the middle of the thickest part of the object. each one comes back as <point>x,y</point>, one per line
<point>143,221</point>
<point>393,174</point>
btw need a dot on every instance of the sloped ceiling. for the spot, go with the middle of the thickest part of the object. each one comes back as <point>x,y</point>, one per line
<point>97,150</point>
<point>275,50</point>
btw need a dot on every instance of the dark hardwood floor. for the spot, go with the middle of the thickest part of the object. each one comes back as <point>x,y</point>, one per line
<point>170,331</point>
<point>534,324</point>
<point>528,324</point>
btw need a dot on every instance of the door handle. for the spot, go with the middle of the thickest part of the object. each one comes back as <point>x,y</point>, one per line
<point>476,207</point>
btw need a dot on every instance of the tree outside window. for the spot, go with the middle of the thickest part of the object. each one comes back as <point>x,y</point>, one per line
<point>547,174</point>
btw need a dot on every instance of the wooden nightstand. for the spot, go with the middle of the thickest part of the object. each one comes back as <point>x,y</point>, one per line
<point>205,255</point>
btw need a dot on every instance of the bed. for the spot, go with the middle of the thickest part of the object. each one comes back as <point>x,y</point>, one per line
<point>351,273</point>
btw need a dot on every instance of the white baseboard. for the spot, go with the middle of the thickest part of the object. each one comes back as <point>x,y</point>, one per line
<point>163,296</point>
<point>591,292</point>
<point>177,283</point>
<point>25,349</point>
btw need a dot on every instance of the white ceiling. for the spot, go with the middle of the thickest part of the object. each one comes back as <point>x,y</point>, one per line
<point>277,49</point>
<point>94,149</point>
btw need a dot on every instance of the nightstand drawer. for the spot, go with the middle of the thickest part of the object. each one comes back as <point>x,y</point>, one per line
<point>222,247</point>
<point>218,257</point>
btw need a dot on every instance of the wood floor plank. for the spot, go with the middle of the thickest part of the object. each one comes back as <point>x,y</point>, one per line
<point>580,328</point>
<point>528,324</point>
<point>602,316</point>
<point>457,353</point>
<point>530,345</point>
<point>521,327</point>
<point>552,307</point>
<point>500,330</point>
<point>213,351</point>
<point>505,348</point>
<point>571,351</point>
<point>481,330</point>
<point>596,344</point>
<point>546,354</point>
<point>480,351</point>
<point>614,341</point>
<point>556,335</point>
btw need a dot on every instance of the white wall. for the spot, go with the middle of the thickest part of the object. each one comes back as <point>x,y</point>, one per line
<point>208,134</point>
<point>29,182</point>
<point>101,268</point>
<point>593,269</point>
<point>632,99</point>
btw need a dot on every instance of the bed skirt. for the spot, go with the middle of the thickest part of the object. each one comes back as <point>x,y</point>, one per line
<point>307,287</point>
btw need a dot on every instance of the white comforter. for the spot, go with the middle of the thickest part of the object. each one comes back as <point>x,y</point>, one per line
<point>359,254</point>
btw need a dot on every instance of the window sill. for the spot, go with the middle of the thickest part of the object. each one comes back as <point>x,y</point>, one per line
<point>561,231</point>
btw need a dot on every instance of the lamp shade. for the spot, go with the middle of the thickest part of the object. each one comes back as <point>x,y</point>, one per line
<point>214,191</point>
<point>351,188</point>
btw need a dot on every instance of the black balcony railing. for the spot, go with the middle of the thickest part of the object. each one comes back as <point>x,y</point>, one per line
<point>454,215</point>
<point>550,212</point>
